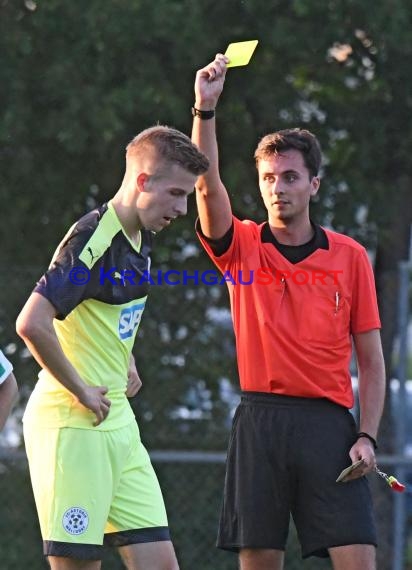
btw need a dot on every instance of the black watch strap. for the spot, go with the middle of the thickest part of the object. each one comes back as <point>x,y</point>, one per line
<point>204,115</point>
<point>371,439</point>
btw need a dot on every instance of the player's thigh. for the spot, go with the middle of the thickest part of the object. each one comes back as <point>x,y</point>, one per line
<point>63,563</point>
<point>153,555</point>
<point>138,502</point>
<point>137,513</point>
<point>42,449</point>
<point>71,479</point>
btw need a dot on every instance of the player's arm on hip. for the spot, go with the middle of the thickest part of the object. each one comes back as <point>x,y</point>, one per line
<point>35,326</point>
<point>133,379</point>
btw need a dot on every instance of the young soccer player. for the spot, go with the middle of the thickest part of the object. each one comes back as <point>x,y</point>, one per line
<point>92,478</point>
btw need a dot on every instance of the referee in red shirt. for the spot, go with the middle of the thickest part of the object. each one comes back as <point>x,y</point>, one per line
<point>310,293</point>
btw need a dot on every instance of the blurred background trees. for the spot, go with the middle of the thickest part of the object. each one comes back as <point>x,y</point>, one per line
<point>80,79</point>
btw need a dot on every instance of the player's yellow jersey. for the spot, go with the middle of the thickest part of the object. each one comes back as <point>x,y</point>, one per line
<point>98,282</point>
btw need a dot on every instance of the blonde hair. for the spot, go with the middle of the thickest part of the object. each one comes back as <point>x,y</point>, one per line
<point>169,145</point>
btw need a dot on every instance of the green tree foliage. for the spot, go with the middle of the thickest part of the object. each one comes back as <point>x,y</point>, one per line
<point>79,79</point>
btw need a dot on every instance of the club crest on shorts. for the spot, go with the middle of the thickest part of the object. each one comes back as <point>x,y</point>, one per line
<point>75,520</point>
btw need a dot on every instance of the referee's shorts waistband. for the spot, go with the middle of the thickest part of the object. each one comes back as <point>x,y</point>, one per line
<point>269,399</point>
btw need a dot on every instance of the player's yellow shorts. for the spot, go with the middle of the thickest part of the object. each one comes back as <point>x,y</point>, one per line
<point>93,487</point>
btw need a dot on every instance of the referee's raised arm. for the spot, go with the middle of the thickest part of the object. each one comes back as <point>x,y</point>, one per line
<point>215,212</point>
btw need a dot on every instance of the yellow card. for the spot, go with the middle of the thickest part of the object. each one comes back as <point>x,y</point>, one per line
<point>239,53</point>
<point>348,470</point>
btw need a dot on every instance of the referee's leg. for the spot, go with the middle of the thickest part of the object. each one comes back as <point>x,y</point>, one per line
<point>261,559</point>
<point>353,557</point>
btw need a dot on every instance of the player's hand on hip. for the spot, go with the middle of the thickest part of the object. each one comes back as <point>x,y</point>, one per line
<point>95,400</point>
<point>133,383</point>
<point>209,83</point>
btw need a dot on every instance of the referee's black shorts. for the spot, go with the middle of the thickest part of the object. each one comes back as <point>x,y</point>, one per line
<point>284,456</point>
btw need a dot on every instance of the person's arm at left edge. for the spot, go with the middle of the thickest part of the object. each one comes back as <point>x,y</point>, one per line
<point>8,397</point>
<point>8,389</point>
<point>371,383</point>
<point>133,379</point>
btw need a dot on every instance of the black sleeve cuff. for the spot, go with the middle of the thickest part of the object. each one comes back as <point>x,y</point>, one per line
<point>218,246</point>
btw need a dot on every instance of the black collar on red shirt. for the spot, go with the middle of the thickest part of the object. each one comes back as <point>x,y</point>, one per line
<point>293,253</point>
<point>296,253</point>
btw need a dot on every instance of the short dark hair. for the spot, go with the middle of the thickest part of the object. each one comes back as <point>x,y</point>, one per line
<point>171,146</point>
<point>299,139</point>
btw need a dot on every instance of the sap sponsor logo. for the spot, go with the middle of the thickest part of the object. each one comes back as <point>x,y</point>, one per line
<point>129,320</point>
